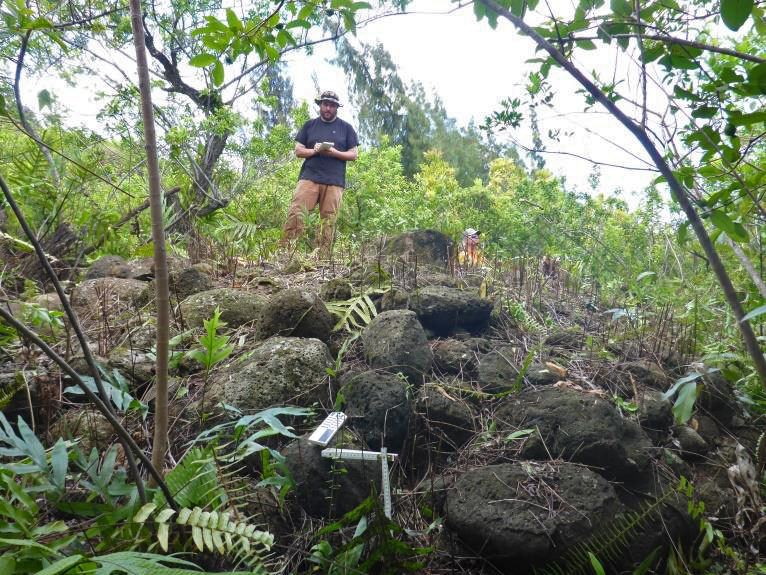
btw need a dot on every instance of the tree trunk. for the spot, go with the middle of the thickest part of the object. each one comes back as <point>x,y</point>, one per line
<point>159,445</point>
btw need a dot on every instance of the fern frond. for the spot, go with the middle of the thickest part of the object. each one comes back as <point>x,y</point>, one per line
<point>214,532</point>
<point>356,312</point>
<point>7,392</point>
<point>608,544</point>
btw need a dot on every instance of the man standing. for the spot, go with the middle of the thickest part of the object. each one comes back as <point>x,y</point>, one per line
<point>326,143</point>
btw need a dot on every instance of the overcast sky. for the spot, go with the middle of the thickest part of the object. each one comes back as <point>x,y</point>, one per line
<point>472,68</point>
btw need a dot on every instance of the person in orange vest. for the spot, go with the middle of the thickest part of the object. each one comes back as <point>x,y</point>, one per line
<point>470,254</point>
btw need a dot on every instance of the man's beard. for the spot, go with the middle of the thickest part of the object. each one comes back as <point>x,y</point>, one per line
<point>330,119</point>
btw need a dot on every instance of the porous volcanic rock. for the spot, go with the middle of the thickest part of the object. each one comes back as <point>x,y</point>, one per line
<point>49,301</point>
<point>395,298</point>
<point>718,397</point>
<point>578,427</point>
<point>655,413</point>
<point>106,266</point>
<point>189,281</point>
<point>138,365</point>
<point>692,445</point>
<point>395,341</point>
<point>497,370</point>
<point>379,408</point>
<point>295,313</point>
<point>325,487</point>
<point>337,289</point>
<point>86,424</point>
<point>566,339</point>
<point>449,420</point>
<point>108,296</point>
<point>238,307</point>
<point>444,309</point>
<point>452,357</point>
<point>647,373</point>
<point>522,514</point>
<point>539,374</point>
<point>428,248</point>
<point>279,371</point>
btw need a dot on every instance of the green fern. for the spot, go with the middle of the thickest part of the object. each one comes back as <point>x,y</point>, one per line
<point>607,544</point>
<point>522,318</point>
<point>8,392</point>
<point>356,312</point>
<point>127,562</point>
<point>213,531</point>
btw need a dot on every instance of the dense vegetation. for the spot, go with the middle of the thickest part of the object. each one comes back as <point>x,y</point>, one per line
<point>232,171</point>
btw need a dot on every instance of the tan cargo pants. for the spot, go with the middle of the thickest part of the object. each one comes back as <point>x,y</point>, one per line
<point>307,195</point>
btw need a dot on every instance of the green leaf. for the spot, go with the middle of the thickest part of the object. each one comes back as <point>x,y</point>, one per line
<point>298,24</point>
<point>748,119</point>
<point>586,44</point>
<point>233,20</point>
<point>202,60</point>
<point>621,7</point>
<point>643,275</point>
<point>755,313</point>
<point>44,99</point>
<point>734,13</point>
<point>59,463</point>
<point>62,565</point>
<point>684,405</point>
<point>734,230</point>
<point>217,73</point>
<point>683,233</point>
<point>597,567</point>
<point>705,112</point>
<point>519,434</point>
<point>144,513</point>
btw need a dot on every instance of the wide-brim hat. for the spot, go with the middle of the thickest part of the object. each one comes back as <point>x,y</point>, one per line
<point>328,96</point>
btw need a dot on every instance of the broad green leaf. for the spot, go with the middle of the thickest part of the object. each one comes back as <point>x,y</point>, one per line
<point>519,434</point>
<point>217,73</point>
<point>298,24</point>
<point>59,463</point>
<point>144,513</point>
<point>755,313</point>
<point>44,99</point>
<point>62,565</point>
<point>734,13</point>
<point>621,7</point>
<point>202,60</point>
<point>233,20</point>
<point>705,112</point>
<point>163,532</point>
<point>596,564</point>
<point>748,119</point>
<point>683,233</point>
<point>723,222</point>
<point>684,405</point>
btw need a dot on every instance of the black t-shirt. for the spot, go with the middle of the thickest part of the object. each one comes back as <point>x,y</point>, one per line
<point>323,169</point>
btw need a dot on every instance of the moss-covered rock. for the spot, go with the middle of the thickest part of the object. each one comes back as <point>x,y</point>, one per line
<point>279,371</point>
<point>238,307</point>
<point>295,313</point>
